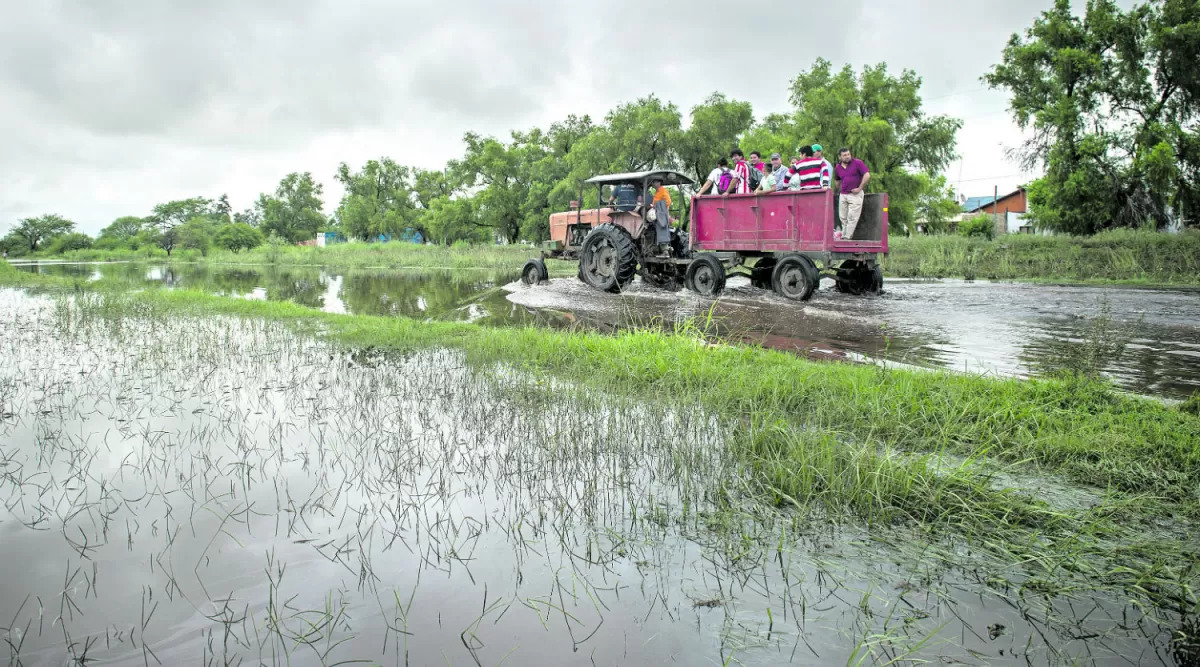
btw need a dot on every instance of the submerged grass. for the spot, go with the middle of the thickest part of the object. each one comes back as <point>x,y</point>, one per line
<point>1126,256</point>
<point>391,255</point>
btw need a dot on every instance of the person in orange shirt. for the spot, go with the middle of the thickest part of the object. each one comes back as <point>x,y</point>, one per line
<point>660,206</point>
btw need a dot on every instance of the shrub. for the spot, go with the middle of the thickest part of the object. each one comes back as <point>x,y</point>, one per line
<point>980,226</point>
<point>69,242</point>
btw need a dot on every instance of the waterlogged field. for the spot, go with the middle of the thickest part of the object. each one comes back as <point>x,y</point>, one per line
<point>221,490</point>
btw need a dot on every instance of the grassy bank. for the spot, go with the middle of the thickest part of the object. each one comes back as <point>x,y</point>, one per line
<point>1116,256</point>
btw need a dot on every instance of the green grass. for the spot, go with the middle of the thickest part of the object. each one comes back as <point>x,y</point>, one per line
<point>1125,256</point>
<point>394,255</point>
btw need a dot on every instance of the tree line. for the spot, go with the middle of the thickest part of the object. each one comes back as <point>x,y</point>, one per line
<point>1110,99</point>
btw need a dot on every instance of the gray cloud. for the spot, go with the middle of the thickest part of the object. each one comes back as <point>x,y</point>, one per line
<point>112,106</point>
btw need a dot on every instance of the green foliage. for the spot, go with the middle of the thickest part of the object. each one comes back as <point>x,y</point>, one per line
<point>453,220</point>
<point>68,242</point>
<point>1111,100</point>
<point>167,219</point>
<point>879,117</point>
<point>197,234</point>
<point>978,226</point>
<point>294,211</point>
<point>238,236</point>
<point>378,199</point>
<point>122,230</point>
<point>31,233</point>
<point>935,205</point>
<point>275,247</point>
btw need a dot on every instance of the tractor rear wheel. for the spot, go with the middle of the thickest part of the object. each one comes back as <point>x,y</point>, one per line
<point>608,258</point>
<point>534,272</point>
<point>706,276</point>
<point>795,277</point>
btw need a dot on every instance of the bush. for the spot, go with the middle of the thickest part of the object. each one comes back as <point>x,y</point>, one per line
<point>980,226</point>
<point>238,236</point>
<point>69,242</point>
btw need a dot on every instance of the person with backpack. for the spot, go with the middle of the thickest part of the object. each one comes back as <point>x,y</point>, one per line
<point>742,169</point>
<point>722,180</point>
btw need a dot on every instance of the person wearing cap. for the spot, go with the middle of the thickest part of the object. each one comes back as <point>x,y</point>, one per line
<point>826,168</point>
<point>779,171</point>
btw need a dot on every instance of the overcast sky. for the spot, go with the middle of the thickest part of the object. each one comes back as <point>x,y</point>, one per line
<point>110,106</point>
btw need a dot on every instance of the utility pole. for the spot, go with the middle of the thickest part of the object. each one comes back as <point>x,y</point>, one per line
<point>996,211</point>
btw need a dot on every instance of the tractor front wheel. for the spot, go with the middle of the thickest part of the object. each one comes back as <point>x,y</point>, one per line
<point>706,276</point>
<point>795,277</point>
<point>534,272</point>
<point>608,258</point>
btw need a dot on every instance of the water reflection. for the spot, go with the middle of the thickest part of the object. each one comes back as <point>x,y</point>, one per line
<point>995,328</point>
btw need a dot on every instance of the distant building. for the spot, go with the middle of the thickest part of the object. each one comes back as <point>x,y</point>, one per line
<point>1010,210</point>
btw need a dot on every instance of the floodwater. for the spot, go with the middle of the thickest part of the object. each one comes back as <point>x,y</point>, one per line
<point>1146,340</point>
<point>197,491</point>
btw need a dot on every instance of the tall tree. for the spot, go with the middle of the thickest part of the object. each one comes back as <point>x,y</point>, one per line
<point>123,228</point>
<point>293,212</point>
<point>168,217</point>
<point>878,116</point>
<point>717,124</point>
<point>378,199</point>
<point>35,232</point>
<point>1111,99</point>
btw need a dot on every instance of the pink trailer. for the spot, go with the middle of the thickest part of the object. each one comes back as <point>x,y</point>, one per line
<point>779,239</point>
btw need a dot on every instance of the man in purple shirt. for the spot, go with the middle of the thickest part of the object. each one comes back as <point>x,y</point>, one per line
<point>854,177</point>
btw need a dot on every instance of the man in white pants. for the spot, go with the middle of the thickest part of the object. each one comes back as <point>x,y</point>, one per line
<point>853,175</point>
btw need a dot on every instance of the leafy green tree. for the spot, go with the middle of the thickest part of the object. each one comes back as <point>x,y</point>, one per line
<point>121,230</point>
<point>935,205</point>
<point>717,125</point>
<point>378,199</point>
<point>250,216</point>
<point>238,236</point>
<point>68,242</point>
<point>1110,99</point>
<point>198,233</point>
<point>222,210</point>
<point>294,211</point>
<point>34,232</point>
<point>167,218</point>
<point>451,220</point>
<point>878,116</point>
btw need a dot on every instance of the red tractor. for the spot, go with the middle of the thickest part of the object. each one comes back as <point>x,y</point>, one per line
<point>783,241</point>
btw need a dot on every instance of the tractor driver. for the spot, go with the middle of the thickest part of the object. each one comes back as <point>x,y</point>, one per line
<point>660,215</point>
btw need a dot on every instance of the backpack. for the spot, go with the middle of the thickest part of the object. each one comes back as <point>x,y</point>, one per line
<point>756,177</point>
<point>724,183</point>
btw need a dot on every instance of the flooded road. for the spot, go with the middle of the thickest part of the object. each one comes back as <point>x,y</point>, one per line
<point>1146,340</point>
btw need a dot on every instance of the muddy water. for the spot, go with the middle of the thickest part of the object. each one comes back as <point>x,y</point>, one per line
<point>195,491</point>
<point>1147,340</point>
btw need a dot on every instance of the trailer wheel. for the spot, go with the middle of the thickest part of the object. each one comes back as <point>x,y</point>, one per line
<point>608,258</point>
<point>795,277</point>
<point>706,275</point>
<point>534,272</point>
